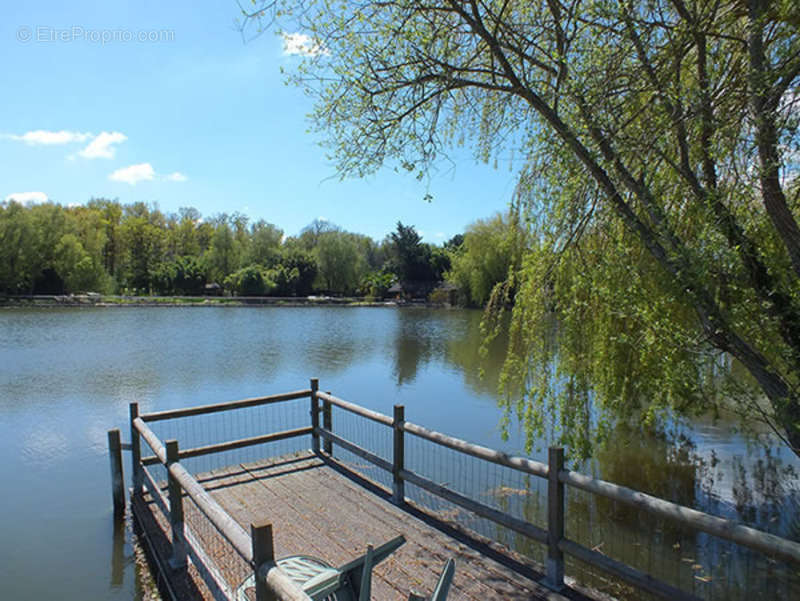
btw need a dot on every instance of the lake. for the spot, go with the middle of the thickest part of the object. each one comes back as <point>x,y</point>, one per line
<point>68,374</point>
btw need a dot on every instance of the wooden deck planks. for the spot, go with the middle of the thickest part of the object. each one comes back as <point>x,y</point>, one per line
<point>316,508</point>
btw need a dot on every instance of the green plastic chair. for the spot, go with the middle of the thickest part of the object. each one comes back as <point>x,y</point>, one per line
<point>442,586</point>
<point>321,581</point>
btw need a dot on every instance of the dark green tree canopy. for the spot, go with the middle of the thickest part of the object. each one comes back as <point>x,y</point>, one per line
<point>413,260</point>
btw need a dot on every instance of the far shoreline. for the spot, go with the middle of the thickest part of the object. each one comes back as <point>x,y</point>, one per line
<point>98,300</point>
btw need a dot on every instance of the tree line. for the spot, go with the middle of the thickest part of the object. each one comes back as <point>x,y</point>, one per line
<point>113,248</point>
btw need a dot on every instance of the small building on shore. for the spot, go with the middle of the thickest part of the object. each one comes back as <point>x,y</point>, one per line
<point>420,290</point>
<point>213,289</point>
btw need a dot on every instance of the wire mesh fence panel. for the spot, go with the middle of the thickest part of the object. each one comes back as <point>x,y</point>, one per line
<point>510,491</point>
<point>236,424</point>
<point>157,477</point>
<point>697,563</point>
<point>367,434</point>
<point>221,557</point>
<point>214,559</point>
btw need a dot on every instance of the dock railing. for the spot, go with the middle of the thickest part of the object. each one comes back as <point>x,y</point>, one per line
<point>557,479</point>
<point>256,550</point>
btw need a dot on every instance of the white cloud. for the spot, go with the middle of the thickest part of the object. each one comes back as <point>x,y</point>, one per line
<point>133,174</point>
<point>43,137</point>
<point>27,198</point>
<point>177,176</point>
<point>102,146</point>
<point>300,43</point>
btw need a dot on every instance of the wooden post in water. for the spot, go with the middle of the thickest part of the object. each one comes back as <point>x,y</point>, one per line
<point>178,559</point>
<point>263,552</point>
<point>136,453</point>
<point>555,519</point>
<point>118,561</point>
<point>117,483</point>
<point>327,423</point>
<point>314,415</point>
<point>399,457</point>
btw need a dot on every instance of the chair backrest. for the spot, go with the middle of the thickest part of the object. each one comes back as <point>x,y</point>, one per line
<point>442,586</point>
<point>366,576</point>
<point>350,582</point>
<point>356,573</point>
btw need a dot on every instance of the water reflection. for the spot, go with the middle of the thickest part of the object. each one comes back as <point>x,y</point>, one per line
<point>480,367</point>
<point>118,554</point>
<point>67,375</point>
<point>659,463</point>
<point>667,464</point>
<point>417,335</point>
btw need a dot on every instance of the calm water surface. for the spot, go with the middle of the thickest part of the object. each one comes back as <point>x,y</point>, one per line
<point>67,376</point>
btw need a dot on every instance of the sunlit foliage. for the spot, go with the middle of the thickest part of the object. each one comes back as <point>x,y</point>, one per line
<point>659,142</point>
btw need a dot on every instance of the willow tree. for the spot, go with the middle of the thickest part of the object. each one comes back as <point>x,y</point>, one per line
<point>657,139</point>
<point>490,249</point>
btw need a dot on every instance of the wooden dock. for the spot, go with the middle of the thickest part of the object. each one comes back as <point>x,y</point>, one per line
<point>323,509</point>
<point>209,530</point>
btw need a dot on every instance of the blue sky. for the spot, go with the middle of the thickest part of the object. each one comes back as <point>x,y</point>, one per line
<point>195,117</point>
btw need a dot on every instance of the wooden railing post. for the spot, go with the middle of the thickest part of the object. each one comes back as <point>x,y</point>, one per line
<point>314,415</point>
<point>117,482</point>
<point>555,519</point>
<point>263,552</point>
<point>327,423</point>
<point>178,559</point>
<point>398,462</point>
<point>136,453</point>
